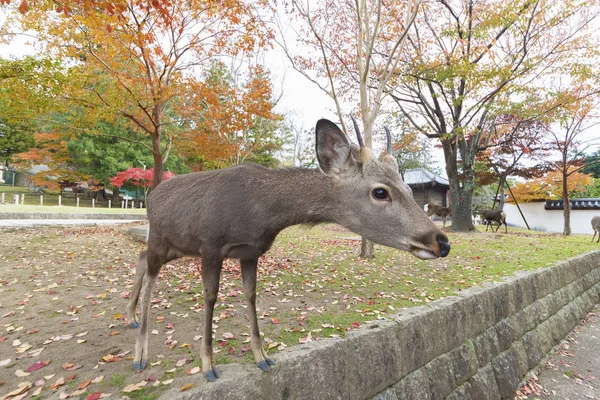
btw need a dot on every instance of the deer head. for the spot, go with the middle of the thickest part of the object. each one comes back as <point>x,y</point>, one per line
<point>373,200</point>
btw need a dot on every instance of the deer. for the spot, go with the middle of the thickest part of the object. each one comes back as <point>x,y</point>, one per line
<point>237,212</point>
<point>442,212</point>
<point>494,215</point>
<point>596,227</point>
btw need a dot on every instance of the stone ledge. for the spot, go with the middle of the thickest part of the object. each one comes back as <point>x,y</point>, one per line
<point>477,345</point>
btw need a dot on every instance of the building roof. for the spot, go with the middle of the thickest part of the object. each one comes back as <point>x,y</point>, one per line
<point>420,176</point>
<point>576,204</point>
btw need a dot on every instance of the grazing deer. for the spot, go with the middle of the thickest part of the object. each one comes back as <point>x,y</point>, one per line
<point>442,212</point>
<point>596,227</point>
<point>237,212</point>
<point>496,216</point>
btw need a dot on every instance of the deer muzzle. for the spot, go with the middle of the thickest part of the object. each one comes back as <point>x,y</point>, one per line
<point>439,248</point>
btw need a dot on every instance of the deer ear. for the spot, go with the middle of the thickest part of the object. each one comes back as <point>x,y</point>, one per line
<point>333,149</point>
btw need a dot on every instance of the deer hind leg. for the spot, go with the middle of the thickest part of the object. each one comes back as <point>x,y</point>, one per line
<point>154,263</point>
<point>211,273</point>
<point>249,281</point>
<point>140,271</point>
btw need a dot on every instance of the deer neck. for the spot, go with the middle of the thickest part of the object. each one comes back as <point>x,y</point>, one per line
<point>304,196</point>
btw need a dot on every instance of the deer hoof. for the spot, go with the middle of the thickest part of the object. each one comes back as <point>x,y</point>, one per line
<point>264,365</point>
<point>270,362</point>
<point>211,375</point>
<point>140,365</point>
<point>134,325</point>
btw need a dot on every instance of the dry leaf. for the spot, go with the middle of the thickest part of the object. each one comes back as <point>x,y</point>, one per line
<point>22,387</point>
<point>84,384</point>
<point>193,371</point>
<point>187,387</point>
<point>59,382</point>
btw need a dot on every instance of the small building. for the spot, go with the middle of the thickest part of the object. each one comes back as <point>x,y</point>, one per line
<point>427,187</point>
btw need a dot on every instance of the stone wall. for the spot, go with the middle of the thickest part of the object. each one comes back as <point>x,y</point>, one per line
<point>478,345</point>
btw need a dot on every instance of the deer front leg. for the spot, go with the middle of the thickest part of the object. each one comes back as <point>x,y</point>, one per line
<point>140,359</point>
<point>211,272</point>
<point>249,282</point>
<point>140,271</point>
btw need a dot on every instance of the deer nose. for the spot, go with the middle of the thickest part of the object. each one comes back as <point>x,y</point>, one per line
<point>444,245</point>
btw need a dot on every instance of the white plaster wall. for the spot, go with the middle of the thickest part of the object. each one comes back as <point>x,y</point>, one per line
<point>549,220</point>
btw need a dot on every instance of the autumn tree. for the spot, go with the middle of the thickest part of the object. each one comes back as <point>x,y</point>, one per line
<point>515,148</point>
<point>550,186</point>
<point>101,154</point>
<point>351,51</point>
<point>470,61</point>
<point>50,150</point>
<point>137,178</point>
<point>135,59</point>
<point>234,121</point>
<point>568,139</point>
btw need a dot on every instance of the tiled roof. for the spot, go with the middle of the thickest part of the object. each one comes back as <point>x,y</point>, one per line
<point>420,176</point>
<point>576,204</point>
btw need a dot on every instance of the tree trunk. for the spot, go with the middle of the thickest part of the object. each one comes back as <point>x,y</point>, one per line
<point>461,202</point>
<point>566,205</point>
<point>367,249</point>
<point>461,195</point>
<point>156,152</point>
<point>116,197</point>
<point>157,173</point>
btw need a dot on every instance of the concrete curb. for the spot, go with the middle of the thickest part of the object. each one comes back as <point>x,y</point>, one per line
<point>478,345</point>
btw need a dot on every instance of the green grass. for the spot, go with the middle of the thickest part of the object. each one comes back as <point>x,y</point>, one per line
<point>117,380</point>
<point>332,291</point>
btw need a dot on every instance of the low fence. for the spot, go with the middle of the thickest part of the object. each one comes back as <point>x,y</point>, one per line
<point>29,215</point>
<point>478,345</point>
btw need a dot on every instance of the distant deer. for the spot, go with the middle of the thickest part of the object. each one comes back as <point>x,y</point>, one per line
<point>442,212</point>
<point>237,212</point>
<point>596,227</point>
<point>498,216</point>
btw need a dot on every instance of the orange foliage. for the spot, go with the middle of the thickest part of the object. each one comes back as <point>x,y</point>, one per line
<point>143,60</point>
<point>51,150</point>
<point>550,187</point>
<point>226,114</point>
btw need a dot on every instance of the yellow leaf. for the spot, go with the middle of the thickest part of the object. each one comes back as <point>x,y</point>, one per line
<point>187,387</point>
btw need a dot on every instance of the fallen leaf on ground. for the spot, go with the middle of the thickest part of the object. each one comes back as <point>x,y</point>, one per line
<point>187,387</point>
<point>193,371</point>
<point>134,386</point>
<point>59,382</point>
<point>23,387</point>
<point>84,384</point>
<point>38,365</point>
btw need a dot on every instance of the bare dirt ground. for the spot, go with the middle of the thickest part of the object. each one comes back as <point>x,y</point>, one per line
<point>63,293</point>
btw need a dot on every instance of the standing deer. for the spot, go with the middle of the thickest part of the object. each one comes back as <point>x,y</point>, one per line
<point>496,216</point>
<point>237,212</point>
<point>596,227</point>
<point>442,212</point>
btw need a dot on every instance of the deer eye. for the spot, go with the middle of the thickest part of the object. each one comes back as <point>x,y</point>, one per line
<point>380,194</point>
